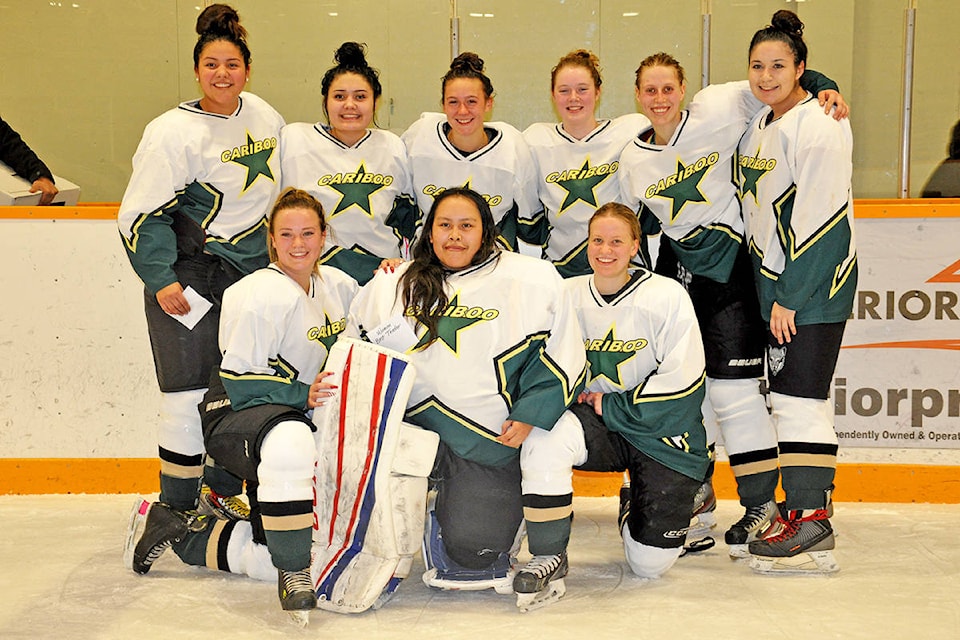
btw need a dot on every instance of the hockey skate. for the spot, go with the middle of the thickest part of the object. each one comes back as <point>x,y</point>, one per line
<point>801,544</point>
<point>704,512</point>
<point>223,507</point>
<point>750,527</point>
<point>297,596</point>
<point>135,524</point>
<point>540,582</point>
<point>443,573</point>
<point>155,527</point>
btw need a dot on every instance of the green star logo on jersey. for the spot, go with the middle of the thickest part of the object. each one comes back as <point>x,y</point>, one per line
<point>331,330</point>
<point>751,170</point>
<point>356,193</point>
<point>451,324</point>
<point>581,188</point>
<point>257,163</point>
<point>686,190</point>
<point>605,362</point>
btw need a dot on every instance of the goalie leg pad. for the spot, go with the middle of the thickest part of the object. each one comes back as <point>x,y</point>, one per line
<point>371,480</point>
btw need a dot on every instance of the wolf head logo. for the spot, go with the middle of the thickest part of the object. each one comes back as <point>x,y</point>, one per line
<point>776,357</point>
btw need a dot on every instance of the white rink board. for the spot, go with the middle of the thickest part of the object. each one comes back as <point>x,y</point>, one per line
<point>897,382</point>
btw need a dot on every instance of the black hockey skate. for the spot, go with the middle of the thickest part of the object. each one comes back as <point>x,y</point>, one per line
<point>540,582</point>
<point>164,525</point>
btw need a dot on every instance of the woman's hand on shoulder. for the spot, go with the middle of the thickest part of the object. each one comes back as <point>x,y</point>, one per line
<point>389,265</point>
<point>829,99</point>
<point>172,300</point>
<point>320,390</point>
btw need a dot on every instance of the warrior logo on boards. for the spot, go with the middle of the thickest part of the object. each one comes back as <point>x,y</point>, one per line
<point>355,188</point>
<point>255,156</point>
<point>607,354</point>
<point>581,184</point>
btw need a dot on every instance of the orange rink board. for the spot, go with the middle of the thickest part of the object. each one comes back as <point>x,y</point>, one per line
<point>855,482</point>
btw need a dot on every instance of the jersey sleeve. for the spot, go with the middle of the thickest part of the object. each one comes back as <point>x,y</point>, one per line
<point>251,371</point>
<point>671,395</point>
<point>551,378</point>
<point>816,231</point>
<point>146,212</point>
<point>815,82</point>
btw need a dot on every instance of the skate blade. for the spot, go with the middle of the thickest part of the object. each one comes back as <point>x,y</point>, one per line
<point>809,563</point>
<point>135,525</point>
<point>300,618</point>
<point>503,586</point>
<point>554,590</point>
<point>702,524</point>
<point>739,551</point>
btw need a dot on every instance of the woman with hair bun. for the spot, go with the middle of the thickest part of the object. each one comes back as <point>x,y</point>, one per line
<point>360,173</point>
<point>794,168</point>
<point>193,221</point>
<point>458,148</point>
<point>576,162</point>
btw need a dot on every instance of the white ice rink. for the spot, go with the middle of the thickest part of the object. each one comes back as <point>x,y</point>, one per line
<point>61,577</point>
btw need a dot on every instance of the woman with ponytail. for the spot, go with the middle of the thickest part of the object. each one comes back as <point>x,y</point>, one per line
<point>360,173</point>
<point>458,148</point>
<point>193,221</point>
<point>257,413</point>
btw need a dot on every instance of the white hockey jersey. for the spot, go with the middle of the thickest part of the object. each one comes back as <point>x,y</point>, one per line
<point>508,348</point>
<point>275,336</point>
<point>645,354</point>
<point>501,171</point>
<point>688,183</point>
<point>574,178</point>
<point>366,192</point>
<point>220,173</point>
<point>795,186</point>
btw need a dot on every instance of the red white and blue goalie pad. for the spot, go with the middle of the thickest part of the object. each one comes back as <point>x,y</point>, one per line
<point>371,479</point>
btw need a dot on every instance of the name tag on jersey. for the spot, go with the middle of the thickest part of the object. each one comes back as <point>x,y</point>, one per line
<point>394,334</point>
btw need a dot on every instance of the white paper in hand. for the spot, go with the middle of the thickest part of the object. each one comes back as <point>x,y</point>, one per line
<point>199,306</point>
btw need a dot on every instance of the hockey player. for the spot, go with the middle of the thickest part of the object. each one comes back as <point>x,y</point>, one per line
<point>576,162</point>
<point>193,222</point>
<point>498,356</point>
<point>678,171</point>
<point>276,329</point>
<point>794,168</point>
<point>458,149</point>
<point>360,174</point>
<point>640,411</point>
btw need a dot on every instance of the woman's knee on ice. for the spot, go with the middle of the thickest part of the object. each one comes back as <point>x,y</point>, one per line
<point>646,561</point>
